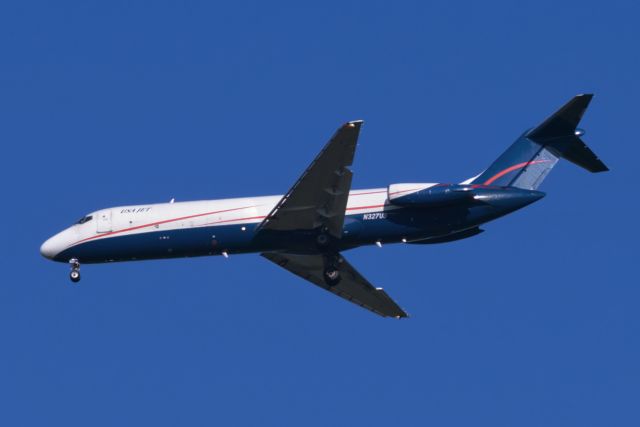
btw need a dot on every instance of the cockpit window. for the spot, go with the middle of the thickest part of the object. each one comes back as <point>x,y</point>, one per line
<point>85,219</point>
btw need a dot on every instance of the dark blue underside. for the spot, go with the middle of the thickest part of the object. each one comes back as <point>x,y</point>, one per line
<point>395,225</point>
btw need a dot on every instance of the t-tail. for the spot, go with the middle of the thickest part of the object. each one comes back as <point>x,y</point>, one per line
<point>530,159</point>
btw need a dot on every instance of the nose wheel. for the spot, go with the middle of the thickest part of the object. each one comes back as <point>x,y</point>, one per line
<point>74,275</point>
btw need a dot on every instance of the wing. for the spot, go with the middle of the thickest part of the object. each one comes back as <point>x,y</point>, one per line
<point>319,198</point>
<point>352,286</point>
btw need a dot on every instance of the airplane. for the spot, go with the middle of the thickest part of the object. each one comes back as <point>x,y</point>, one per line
<point>306,230</point>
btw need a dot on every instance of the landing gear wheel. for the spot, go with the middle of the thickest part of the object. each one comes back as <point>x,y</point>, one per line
<point>74,276</point>
<point>332,277</point>
<point>331,271</point>
<point>322,240</point>
<point>75,270</point>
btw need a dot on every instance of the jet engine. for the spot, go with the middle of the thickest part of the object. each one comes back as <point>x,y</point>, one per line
<point>428,195</point>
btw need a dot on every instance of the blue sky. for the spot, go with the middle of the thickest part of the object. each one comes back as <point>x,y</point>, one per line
<point>534,322</point>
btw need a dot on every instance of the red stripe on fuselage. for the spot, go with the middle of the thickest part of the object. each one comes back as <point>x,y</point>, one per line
<point>365,207</point>
<point>137,227</point>
<point>369,192</point>
<point>409,190</point>
<point>512,168</point>
<point>232,220</point>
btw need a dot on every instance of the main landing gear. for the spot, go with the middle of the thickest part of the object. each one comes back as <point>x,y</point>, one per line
<point>325,243</point>
<point>74,275</point>
<point>331,276</point>
<point>331,271</point>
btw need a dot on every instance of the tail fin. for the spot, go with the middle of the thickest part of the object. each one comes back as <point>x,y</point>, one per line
<point>528,161</point>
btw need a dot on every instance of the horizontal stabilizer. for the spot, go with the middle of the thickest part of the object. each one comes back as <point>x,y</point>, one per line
<point>573,149</point>
<point>560,136</point>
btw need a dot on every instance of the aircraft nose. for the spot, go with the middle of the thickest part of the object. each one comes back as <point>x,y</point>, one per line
<point>51,247</point>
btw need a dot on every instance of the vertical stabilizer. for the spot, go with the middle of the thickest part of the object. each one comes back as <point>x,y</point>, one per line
<point>530,159</point>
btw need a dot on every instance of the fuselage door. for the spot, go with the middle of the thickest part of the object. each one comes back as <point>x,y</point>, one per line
<point>104,221</point>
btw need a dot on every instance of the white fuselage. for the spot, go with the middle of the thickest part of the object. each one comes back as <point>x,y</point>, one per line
<point>244,213</point>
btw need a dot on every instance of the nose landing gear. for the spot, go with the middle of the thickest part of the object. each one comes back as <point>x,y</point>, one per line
<point>74,275</point>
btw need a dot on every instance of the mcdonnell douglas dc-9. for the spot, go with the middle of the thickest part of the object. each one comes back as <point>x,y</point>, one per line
<point>306,230</point>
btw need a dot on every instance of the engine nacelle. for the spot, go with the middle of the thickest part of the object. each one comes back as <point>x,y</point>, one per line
<point>437,195</point>
<point>427,195</point>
